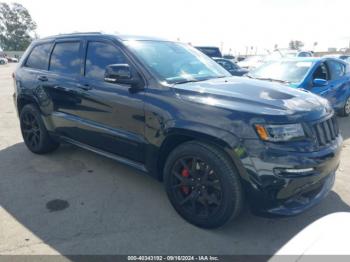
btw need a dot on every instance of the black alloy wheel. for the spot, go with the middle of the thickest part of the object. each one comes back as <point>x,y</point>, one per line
<point>203,184</point>
<point>196,186</point>
<point>30,130</point>
<point>35,135</point>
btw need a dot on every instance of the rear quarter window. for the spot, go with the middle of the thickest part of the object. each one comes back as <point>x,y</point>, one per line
<point>39,57</point>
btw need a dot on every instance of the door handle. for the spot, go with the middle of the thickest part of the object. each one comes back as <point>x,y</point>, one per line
<point>85,87</point>
<point>43,78</point>
<point>64,89</point>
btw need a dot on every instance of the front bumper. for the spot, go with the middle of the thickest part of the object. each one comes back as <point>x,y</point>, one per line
<point>272,192</point>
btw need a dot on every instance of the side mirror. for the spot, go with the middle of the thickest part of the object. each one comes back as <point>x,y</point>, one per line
<point>319,82</point>
<point>123,74</point>
<point>118,73</point>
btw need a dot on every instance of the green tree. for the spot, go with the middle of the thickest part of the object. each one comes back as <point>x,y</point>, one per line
<point>17,28</point>
<point>295,44</point>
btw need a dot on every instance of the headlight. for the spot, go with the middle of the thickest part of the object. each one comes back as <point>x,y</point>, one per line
<point>279,133</point>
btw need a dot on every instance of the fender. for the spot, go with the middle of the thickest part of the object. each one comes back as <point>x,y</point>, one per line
<point>177,132</point>
<point>202,131</point>
<point>22,99</point>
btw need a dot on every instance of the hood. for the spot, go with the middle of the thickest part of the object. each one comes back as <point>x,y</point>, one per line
<point>255,96</point>
<point>294,85</point>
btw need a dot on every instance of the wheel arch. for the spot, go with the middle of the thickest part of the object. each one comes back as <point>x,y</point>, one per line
<point>216,137</point>
<point>25,100</point>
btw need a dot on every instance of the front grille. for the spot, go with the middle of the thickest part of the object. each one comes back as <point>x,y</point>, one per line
<point>326,131</point>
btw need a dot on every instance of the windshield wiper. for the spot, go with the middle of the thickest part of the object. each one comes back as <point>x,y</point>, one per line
<point>186,81</point>
<point>269,79</point>
<point>274,80</point>
<point>196,80</point>
<point>219,77</point>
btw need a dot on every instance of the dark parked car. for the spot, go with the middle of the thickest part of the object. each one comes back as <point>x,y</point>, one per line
<point>167,109</point>
<point>240,58</point>
<point>210,51</point>
<point>230,66</point>
<point>231,57</point>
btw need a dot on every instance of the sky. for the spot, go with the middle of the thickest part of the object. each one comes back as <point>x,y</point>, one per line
<point>234,25</point>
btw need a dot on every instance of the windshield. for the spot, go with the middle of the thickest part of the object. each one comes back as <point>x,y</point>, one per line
<point>176,62</point>
<point>286,71</point>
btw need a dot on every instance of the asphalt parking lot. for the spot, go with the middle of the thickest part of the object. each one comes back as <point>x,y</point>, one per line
<point>113,209</point>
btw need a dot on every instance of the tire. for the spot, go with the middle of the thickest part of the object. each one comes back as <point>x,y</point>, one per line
<point>345,111</point>
<point>2,62</point>
<point>34,132</point>
<point>209,194</point>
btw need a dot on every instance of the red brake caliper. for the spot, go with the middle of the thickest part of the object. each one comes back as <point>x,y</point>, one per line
<point>185,173</point>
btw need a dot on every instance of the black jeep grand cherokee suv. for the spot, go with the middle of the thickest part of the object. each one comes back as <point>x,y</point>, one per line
<point>169,110</point>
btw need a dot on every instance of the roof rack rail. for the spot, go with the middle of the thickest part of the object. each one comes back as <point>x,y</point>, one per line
<point>72,34</point>
<point>80,33</point>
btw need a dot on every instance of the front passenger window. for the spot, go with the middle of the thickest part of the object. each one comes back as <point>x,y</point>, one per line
<point>99,55</point>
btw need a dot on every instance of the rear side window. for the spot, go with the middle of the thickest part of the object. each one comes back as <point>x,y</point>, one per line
<point>337,70</point>
<point>98,56</point>
<point>65,58</point>
<point>39,57</point>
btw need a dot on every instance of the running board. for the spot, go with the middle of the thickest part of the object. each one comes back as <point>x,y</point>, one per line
<point>120,159</point>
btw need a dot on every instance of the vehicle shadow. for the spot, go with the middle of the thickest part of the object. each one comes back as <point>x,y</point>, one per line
<point>113,209</point>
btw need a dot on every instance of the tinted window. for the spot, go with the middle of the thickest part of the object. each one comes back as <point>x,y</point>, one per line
<point>65,58</point>
<point>99,55</point>
<point>337,70</point>
<point>321,72</point>
<point>226,65</point>
<point>39,57</point>
<point>210,51</point>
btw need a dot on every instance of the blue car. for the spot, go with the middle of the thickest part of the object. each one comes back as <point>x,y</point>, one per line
<point>327,77</point>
